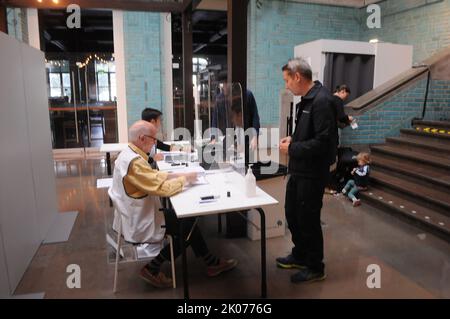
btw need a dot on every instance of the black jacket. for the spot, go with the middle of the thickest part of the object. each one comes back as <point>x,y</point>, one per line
<point>342,120</point>
<point>337,105</point>
<point>313,146</point>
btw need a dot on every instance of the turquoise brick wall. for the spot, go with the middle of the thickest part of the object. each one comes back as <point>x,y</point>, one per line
<point>426,27</point>
<point>143,72</point>
<point>387,118</point>
<point>390,116</point>
<point>274,30</point>
<point>17,23</point>
<point>438,105</point>
<point>277,27</point>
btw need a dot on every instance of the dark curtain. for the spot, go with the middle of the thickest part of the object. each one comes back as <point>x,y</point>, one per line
<point>355,70</point>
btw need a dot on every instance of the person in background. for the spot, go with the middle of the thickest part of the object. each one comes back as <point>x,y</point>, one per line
<point>219,118</point>
<point>340,95</point>
<point>154,116</point>
<point>360,182</point>
<point>136,192</point>
<point>310,150</point>
<point>342,120</point>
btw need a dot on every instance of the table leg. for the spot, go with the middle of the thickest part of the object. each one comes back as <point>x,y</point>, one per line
<point>184,260</point>
<point>108,163</point>
<point>263,253</point>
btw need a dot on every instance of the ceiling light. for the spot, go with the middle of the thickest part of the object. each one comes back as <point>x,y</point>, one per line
<point>374,41</point>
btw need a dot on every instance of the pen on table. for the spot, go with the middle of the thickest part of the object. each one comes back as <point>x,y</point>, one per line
<point>210,197</point>
<point>207,201</point>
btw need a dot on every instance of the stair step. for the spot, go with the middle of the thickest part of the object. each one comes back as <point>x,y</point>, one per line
<point>431,197</point>
<point>421,216</point>
<point>413,155</point>
<point>433,124</point>
<point>439,134</point>
<point>436,146</point>
<point>431,175</point>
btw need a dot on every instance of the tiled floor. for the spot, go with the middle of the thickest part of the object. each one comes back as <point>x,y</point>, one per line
<point>413,264</point>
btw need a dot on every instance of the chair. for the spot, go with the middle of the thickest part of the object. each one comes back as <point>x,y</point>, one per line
<point>118,247</point>
<point>69,132</point>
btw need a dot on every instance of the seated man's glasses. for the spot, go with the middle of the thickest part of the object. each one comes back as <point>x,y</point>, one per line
<point>149,136</point>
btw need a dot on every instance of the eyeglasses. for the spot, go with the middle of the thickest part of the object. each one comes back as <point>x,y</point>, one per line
<point>154,139</point>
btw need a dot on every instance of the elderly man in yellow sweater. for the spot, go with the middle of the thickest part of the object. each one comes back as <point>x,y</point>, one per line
<point>136,190</point>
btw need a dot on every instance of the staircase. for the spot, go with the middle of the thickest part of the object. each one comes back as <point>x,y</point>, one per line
<point>410,176</point>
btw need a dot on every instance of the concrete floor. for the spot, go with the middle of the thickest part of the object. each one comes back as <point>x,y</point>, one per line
<point>413,264</point>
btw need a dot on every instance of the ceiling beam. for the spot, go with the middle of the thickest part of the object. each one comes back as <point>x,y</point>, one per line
<point>56,43</point>
<point>129,5</point>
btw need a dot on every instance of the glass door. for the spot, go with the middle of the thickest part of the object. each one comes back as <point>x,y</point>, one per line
<point>63,105</point>
<point>81,78</point>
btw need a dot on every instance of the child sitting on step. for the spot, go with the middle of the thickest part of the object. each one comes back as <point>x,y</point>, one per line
<point>360,181</point>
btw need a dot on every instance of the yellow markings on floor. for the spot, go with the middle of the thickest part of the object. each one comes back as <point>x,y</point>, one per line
<point>432,130</point>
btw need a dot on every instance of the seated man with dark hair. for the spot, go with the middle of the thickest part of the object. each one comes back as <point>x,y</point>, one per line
<point>154,116</point>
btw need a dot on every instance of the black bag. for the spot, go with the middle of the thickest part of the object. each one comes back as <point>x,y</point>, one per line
<point>345,164</point>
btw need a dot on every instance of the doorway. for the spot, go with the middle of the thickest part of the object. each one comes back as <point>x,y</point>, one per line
<point>81,78</point>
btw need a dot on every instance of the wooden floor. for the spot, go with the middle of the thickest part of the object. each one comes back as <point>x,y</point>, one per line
<point>413,264</point>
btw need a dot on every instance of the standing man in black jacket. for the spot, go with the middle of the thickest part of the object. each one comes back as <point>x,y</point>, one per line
<point>310,150</point>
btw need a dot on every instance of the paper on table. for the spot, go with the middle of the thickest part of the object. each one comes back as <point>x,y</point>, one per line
<point>190,169</point>
<point>201,180</point>
<point>104,182</point>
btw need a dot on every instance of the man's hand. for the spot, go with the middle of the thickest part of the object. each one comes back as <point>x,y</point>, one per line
<point>284,145</point>
<point>158,157</point>
<point>353,171</point>
<point>191,177</point>
<point>351,118</point>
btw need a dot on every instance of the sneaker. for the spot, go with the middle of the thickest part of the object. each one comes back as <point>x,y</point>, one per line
<point>306,275</point>
<point>357,203</point>
<point>159,281</point>
<point>344,191</point>
<point>289,262</point>
<point>222,266</point>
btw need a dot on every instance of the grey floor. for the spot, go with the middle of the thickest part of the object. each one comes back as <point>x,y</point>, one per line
<point>413,264</point>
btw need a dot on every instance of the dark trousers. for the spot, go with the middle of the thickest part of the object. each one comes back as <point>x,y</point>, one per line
<point>196,240</point>
<point>302,208</point>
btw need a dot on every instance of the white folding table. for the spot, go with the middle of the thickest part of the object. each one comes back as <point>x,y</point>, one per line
<point>187,204</point>
<point>109,148</point>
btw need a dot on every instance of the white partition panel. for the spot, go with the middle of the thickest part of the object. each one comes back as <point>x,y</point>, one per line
<point>40,137</point>
<point>17,198</point>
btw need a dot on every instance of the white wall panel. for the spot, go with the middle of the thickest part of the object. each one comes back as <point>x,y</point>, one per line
<point>39,136</point>
<point>20,147</point>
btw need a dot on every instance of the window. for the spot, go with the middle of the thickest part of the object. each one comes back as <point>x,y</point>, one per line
<point>58,78</point>
<point>106,81</point>
<point>199,64</point>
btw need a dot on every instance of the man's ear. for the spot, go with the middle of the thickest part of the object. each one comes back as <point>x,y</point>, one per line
<point>297,77</point>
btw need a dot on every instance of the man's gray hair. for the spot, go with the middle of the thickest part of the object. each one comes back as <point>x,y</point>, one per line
<point>299,65</point>
<point>139,128</point>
